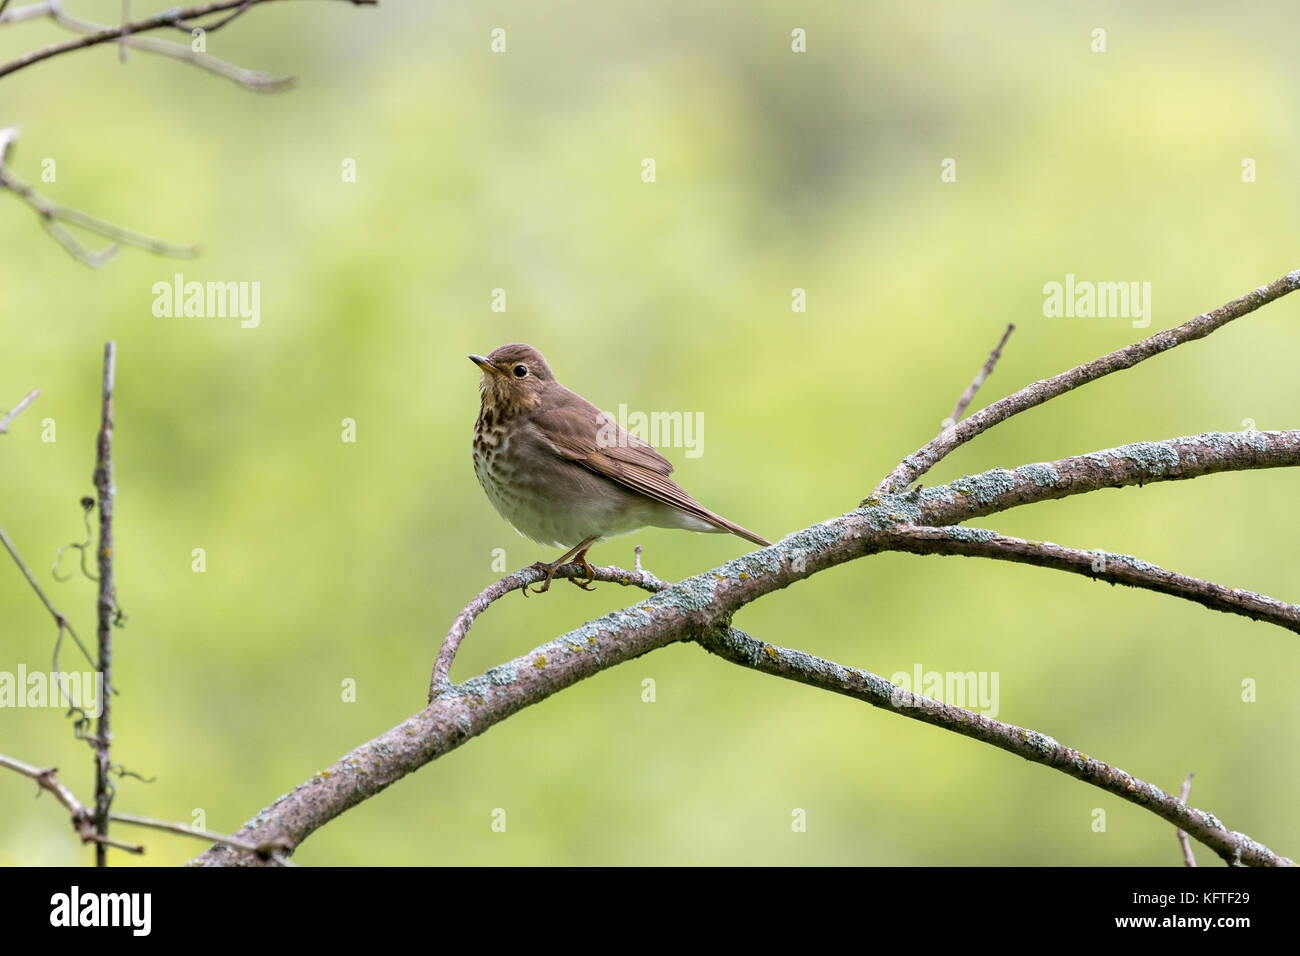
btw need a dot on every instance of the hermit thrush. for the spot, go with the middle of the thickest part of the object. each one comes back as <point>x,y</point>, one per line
<point>563,472</point>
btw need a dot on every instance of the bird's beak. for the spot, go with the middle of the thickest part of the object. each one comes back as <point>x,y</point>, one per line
<point>485,365</point>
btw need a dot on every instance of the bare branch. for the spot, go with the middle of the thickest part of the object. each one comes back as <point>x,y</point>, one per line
<point>82,819</point>
<point>108,610</point>
<point>30,12</point>
<point>271,852</point>
<point>174,17</point>
<point>257,80</point>
<point>59,618</point>
<point>739,648</point>
<point>1140,463</point>
<point>13,412</point>
<point>925,458</point>
<point>1102,565</point>
<point>701,609</point>
<point>1188,857</point>
<point>52,215</point>
<point>512,582</point>
<point>696,605</point>
<point>983,373</point>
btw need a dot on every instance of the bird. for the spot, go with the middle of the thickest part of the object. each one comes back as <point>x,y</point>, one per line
<point>566,474</point>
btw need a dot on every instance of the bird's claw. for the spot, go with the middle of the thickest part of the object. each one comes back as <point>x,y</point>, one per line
<point>550,570</point>
<point>588,570</point>
<point>546,583</point>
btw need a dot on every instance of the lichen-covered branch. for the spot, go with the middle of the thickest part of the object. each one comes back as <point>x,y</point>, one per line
<point>1102,565</point>
<point>917,464</point>
<point>698,605</point>
<point>1140,463</point>
<point>520,580</point>
<point>739,648</point>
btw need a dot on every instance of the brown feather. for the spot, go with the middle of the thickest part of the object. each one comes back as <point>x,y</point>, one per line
<point>579,431</point>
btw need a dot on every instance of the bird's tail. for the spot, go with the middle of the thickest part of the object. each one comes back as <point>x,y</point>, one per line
<point>737,530</point>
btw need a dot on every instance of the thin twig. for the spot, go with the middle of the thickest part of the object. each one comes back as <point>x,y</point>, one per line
<point>1140,463</point>
<point>739,648</point>
<point>984,373</point>
<point>214,27</point>
<point>164,19</point>
<point>513,582</point>
<point>257,80</point>
<point>82,818</point>
<point>1188,857</point>
<point>1102,565</point>
<point>13,412</point>
<point>58,615</point>
<point>274,849</point>
<point>52,215</point>
<point>107,604</point>
<point>918,463</point>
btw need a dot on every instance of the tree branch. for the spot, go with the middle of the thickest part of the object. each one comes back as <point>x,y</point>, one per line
<point>1140,463</point>
<point>82,818</point>
<point>513,582</point>
<point>1102,565</point>
<point>257,80</point>
<point>700,608</point>
<point>13,412</point>
<point>925,458</point>
<point>52,215</point>
<point>697,605</point>
<point>983,374</point>
<point>108,610</point>
<point>1189,858</point>
<point>174,17</point>
<point>739,648</point>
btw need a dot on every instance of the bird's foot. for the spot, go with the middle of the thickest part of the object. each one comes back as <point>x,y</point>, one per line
<point>578,553</point>
<point>581,558</point>
<point>550,570</point>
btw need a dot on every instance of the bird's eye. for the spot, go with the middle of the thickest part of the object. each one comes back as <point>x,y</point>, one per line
<point>521,371</point>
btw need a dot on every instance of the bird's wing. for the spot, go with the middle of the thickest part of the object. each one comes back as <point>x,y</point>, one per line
<point>577,430</point>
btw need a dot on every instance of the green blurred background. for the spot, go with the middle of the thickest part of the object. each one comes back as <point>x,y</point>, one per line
<point>329,562</point>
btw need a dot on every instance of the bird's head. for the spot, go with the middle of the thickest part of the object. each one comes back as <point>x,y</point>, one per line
<point>515,377</point>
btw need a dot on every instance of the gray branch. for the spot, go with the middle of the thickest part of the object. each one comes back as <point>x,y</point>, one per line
<point>738,647</point>
<point>700,608</point>
<point>925,458</point>
<point>1102,565</point>
<point>693,609</point>
<point>176,17</point>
